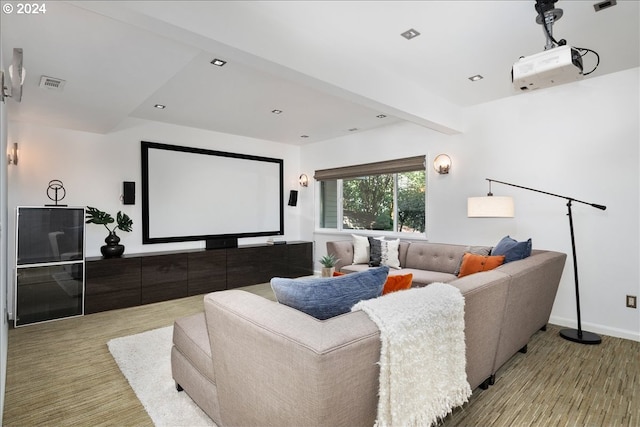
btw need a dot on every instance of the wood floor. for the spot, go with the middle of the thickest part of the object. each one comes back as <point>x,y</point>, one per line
<point>62,374</point>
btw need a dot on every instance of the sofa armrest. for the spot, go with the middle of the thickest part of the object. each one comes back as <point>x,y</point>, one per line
<point>532,291</point>
<point>343,250</point>
<point>275,365</point>
<point>485,296</point>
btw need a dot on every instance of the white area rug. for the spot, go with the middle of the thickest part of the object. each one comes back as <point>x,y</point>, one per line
<point>145,360</point>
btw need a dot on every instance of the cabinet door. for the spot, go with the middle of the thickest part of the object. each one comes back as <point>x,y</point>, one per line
<point>48,292</point>
<point>272,263</point>
<point>207,271</point>
<point>112,283</point>
<point>243,267</point>
<point>300,259</point>
<point>164,277</point>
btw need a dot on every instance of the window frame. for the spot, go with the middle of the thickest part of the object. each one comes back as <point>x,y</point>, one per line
<point>349,173</point>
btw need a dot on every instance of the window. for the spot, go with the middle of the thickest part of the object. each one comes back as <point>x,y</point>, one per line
<point>385,196</point>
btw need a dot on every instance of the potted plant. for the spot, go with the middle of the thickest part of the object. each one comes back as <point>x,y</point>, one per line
<point>113,248</point>
<point>328,265</point>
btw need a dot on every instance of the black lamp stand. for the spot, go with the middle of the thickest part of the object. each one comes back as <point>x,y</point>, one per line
<point>575,335</point>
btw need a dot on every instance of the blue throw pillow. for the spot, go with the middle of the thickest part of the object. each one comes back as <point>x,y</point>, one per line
<point>325,297</point>
<point>512,249</point>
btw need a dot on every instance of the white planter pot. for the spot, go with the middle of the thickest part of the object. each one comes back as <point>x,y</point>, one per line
<point>328,271</point>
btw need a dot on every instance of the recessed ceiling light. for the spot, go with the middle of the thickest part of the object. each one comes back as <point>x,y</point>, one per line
<point>304,136</point>
<point>381,116</point>
<point>218,62</point>
<point>476,78</point>
<point>409,34</point>
<point>276,111</point>
<point>160,106</point>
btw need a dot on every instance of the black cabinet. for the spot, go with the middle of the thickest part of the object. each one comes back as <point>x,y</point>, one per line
<point>49,280</point>
<point>163,277</point>
<point>145,278</point>
<point>207,272</point>
<point>114,283</point>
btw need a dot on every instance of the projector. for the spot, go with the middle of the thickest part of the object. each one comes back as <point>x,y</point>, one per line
<point>562,64</point>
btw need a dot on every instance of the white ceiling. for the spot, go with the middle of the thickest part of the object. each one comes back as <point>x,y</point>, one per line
<point>330,66</point>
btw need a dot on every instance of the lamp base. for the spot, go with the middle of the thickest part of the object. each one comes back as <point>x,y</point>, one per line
<point>585,338</point>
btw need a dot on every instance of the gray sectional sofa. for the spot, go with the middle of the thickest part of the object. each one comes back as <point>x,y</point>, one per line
<point>250,361</point>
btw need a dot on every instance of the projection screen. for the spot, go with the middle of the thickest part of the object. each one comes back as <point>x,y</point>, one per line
<point>197,194</point>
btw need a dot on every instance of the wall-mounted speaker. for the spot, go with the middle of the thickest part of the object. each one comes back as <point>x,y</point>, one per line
<point>293,198</point>
<point>129,193</point>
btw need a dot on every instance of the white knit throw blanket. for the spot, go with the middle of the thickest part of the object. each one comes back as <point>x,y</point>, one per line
<point>422,357</point>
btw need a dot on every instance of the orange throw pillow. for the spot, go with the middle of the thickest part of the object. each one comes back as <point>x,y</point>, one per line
<point>472,263</point>
<point>397,283</point>
<point>393,283</point>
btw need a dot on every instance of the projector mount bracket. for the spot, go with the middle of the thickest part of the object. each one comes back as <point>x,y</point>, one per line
<point>547,15</point>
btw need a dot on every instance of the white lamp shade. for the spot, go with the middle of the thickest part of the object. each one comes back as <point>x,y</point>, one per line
<point>490,207</point>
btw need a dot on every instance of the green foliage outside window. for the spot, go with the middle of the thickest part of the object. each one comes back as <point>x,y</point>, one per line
<point>392,202</point>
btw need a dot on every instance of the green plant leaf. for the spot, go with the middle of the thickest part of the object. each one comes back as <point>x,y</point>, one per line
<point>124,222</point>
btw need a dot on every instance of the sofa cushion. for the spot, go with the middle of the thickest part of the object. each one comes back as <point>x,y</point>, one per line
<point>360,249</point>
<point>512,249</point>
<point>478,250</point>
<point>397,282</point>
<point>434,257</point>
<point>473,263</point>
<point>394,282</point>
<point>426,277</point>
<point>384,252</point>
<point>191,337</point>
<point>390,253</point>
<point>375,252</point>
<point>326,297</point>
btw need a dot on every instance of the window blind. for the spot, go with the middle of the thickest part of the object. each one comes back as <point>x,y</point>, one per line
<point>408,164</point>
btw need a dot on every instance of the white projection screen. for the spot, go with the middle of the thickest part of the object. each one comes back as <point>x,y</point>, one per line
<point>198,194</point>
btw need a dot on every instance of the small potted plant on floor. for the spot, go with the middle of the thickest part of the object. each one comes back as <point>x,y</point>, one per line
<point>113,248</point>
<point>328,265</point>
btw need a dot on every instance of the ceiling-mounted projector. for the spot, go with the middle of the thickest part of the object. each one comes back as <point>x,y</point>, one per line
<point>559,63</point>
<point>562,64</point>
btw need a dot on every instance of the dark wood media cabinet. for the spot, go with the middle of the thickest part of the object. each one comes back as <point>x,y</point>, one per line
<point>137,279</point>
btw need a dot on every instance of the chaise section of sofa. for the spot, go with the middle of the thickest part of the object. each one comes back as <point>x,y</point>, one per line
<point>275,365</point>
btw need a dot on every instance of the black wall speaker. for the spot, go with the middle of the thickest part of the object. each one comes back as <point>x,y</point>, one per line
<point>129,193</point>
<point>293,198</point>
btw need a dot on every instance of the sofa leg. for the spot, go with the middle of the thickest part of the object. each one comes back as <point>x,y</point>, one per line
<point>179,387</point>
<point>544,328</point>
<point>489,381</point>
<point>523,350</point>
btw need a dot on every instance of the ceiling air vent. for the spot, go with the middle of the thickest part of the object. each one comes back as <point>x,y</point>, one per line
<point>52,83</point>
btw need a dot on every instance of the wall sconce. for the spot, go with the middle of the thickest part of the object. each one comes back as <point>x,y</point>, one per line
<point>442,164</point>
<point>12,156</point>
<point>303,180</point>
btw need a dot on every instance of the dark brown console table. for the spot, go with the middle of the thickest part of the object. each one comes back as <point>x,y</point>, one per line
<point>137,279</point>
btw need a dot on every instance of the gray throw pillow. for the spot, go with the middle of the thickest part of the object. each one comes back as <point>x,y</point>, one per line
<point>326,297</point>
<point>375,252</point>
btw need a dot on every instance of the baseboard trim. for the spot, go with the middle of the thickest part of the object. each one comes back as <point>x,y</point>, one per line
<point>596,328</point>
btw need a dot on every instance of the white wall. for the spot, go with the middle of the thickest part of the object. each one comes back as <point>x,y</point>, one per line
<point>93,167</point>
<point>579,140</point>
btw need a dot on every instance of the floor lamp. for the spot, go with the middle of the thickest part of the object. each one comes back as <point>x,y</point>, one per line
<point>491,206</point>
